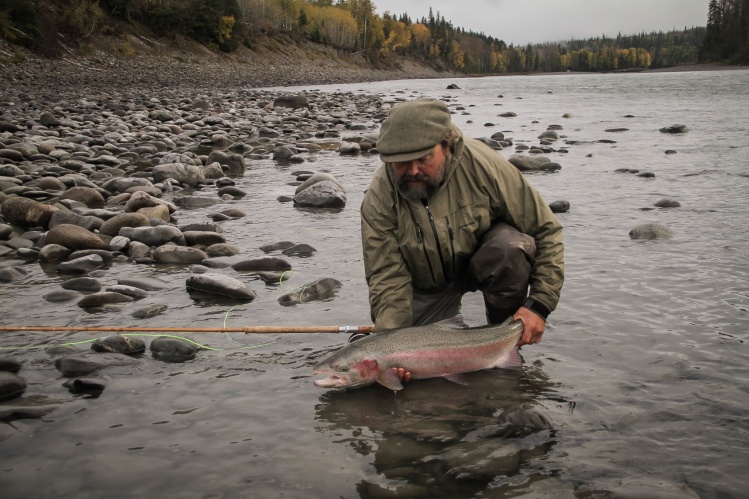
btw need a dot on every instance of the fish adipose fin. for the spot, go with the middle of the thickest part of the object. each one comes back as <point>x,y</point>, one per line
<point>458,378</point>
<point>513,360</point>
<point>390,380</point>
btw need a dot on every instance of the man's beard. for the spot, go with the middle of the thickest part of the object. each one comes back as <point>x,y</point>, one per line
<point>427,186</point>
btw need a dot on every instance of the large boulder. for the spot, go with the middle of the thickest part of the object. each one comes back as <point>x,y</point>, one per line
<point>26,212</point>
<point>74,237</point>
<point>325,194</point>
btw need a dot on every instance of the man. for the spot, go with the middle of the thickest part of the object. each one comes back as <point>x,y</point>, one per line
<point>446,215</point>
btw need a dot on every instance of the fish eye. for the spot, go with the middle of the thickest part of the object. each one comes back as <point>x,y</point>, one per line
<point>343,369</point>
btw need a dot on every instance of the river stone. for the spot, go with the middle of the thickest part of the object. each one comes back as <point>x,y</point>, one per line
<point>651,231</point>
<point>267,263</point>
<point>317,178</point>
<point>274,277</point>
<point>320,289</point>
<point>292,101</point>
<point>146,283</point>
<point>11,385</point>
<point>81,265</point>
<point>119,344</point>
<point>559,206</point>
<point>526,163</point>
<point>299,250</point>
<point>131,291</point>
<point>205,238</point>
<point>232,191</point>
<point>667,203</point>
<point>159,212</point>
<point>61,217</point>
<point>26,212</point>
<point>87,284</point>
<point>281,245</point>
<point>195,202</point>
<point>25,410</point>
<point>122,184</point>
<point>235,162</point>
<point>221,285</point>
<point>178,254</point>
<point>136,250</point>
<point>201,227</point>
<point>74,237</point>
<point>142,199</point>
<point>172,349</point>
<point>5,231</point>
<point>87,363</point>
<point>674,129</point>
<point>86,195</point>
<point>9,365</point>
<point>113,226</point>
<point>184,174</point>
<point>221,249</point>
<point>60,296</point>
<point>103,298</point>
<point>150,311</point>
<point>326,194</point>
<point>154,236</point>
<point>92,385</point>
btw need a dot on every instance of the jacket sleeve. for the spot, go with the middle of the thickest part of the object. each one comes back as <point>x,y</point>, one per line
<point>388,278</point>
<point>523,207</point>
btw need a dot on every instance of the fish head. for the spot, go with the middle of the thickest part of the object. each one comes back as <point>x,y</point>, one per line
<point>346,374</point>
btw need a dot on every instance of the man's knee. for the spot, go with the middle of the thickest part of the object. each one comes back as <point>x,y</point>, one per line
<point>503,261</point>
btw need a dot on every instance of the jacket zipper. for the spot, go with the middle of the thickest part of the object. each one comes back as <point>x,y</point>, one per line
<point>436,239</point>
<point>452,241</point>
<point>420,239</point>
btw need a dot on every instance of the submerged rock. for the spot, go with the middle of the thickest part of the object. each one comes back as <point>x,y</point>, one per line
<point>119,344</point>
<point>221,285</point>
<point>11,385</point>
<point>320,289</point>
<point>172,349</point>
<point>651,231</point>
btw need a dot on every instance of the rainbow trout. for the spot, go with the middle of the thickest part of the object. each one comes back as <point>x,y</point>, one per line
<point>445,348</point>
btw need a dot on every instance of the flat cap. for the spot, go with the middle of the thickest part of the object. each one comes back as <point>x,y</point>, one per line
<point>412,130</point>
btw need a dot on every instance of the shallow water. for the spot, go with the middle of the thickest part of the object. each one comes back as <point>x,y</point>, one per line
<point>642,373</point>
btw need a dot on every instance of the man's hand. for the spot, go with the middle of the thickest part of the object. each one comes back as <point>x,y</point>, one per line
<point>533,326</point>
<point>403,375</point>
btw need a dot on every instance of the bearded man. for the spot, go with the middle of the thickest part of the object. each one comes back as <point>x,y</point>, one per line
<point>446,215</point>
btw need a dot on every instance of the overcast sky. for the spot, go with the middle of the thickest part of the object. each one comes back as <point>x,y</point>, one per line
<point>534,21</point>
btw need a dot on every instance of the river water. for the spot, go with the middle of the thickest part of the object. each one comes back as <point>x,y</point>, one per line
<point>642,379</point>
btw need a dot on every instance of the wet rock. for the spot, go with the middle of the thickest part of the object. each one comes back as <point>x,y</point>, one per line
<point>86,284</point>
<point>26,212</point>
<point>195,202</point>
<point>74,237</point>
<point>267,263</point>
<point>154,236</point>
<point>81,265</point>
<point>526,163</point>
<point>90,385</point>
<point>182,173</point>
<point>131,291</point>
<point>274,277</point>
<point>221,249</point>
<point>150,311</point>
<point>24,408</point>
<point>318,290</point>
<point>141,199</point>
<point>559,206</point>
<point>299,250</point>
<point>292,101</point>
<point>86,195</point>
<point>178,254</point>
<point>11,385</point>
<point>9,365</point>
<point>147,283</point>
<point>204,238</point>
<point>172,350</point>
<point>221,285</point>
<point>234,162</point>
<point>651,231</point>
<point>324,194</point>
<point>103,298</point>
<point>85,364</point>
<point>113,226</point>
<point>231,191</point>
<point>119,344</point>
<point>674,129</point>
<point>667,203</point>
<point>281,245</point>
<point>201,227</point>
<point>60,296</point>
<point>11,274</point>
<point>53,253</point>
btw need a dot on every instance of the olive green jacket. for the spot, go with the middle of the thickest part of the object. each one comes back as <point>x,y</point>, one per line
<point>408,244</point>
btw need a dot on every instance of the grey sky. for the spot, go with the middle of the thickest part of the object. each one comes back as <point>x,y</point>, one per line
<point>535,21</point>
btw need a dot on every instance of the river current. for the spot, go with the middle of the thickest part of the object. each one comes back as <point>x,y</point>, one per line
<point>640,385</point>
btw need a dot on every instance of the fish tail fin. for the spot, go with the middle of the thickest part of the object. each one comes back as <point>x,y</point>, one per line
<point>513,360</point>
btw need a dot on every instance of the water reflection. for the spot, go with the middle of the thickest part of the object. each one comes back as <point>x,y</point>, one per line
<point>437,439</point>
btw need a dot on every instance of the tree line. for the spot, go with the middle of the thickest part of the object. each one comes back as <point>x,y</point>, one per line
<point>727,32</point>
<point>354,26</point>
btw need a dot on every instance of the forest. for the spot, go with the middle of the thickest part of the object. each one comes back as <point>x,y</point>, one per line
<point>354,26</point>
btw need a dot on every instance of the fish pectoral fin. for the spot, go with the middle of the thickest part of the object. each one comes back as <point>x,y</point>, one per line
<point>390,379</point>
<point>458,378</point>
<point>513,360</point>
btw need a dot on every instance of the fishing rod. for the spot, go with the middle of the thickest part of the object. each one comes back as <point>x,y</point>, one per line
<point>243,329</point>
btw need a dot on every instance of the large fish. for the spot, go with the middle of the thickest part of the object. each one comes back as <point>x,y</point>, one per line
<point>446,349</point>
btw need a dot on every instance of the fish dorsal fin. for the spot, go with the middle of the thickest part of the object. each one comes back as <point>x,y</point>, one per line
<point>390,380</point>
<point>513,360</point>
